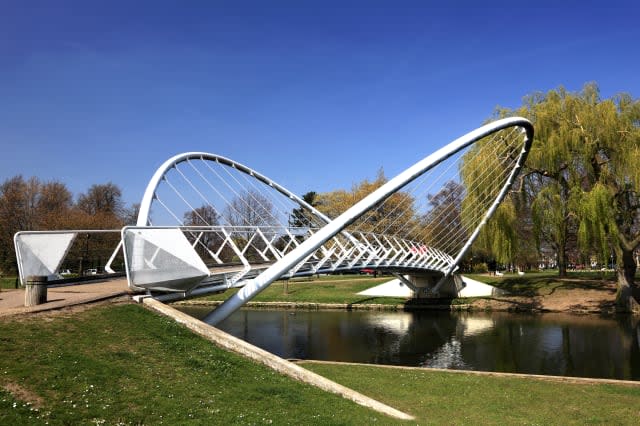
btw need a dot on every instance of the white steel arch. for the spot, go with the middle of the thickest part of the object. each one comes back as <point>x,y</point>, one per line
<point>159,175</point>
<point>306,248</point>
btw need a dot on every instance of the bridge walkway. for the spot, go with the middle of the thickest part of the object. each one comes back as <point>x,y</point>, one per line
<point>58,297</point>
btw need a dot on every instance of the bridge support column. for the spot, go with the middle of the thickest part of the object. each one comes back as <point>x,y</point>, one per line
<point>423,285</point>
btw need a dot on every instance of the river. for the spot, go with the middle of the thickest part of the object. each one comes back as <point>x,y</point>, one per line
<point>548,344</point>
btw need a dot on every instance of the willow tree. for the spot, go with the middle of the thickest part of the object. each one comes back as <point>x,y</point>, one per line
<point>583,176</point>
<point>609,210</point>
<point>497,239</point>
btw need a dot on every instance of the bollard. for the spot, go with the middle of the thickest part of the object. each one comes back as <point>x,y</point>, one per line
<point>36,290</point>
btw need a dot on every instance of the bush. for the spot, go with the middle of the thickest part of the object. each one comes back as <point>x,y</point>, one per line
<point>480,268</point>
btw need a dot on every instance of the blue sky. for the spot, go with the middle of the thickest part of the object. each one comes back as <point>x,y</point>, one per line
<point>316,95</point>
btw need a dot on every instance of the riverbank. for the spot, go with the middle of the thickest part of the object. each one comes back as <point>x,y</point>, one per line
<point>579,293</point>
<point>119,363</point>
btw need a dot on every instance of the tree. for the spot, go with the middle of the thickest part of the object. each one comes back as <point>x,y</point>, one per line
<point>130,216</point>
<point>444,215</point>
<point>250,209</point>
<point>583,176</point>
<point>245,212</point>
<point>609,208</point>
<point>18,212</point>
<point>204,215</point>
<point>207,239</point>
<point>300,217</point>
<point>28,205</point>
<point>102,199</point>
<point>101,207</point>
<point>395,215</point>
<point>54,205</point>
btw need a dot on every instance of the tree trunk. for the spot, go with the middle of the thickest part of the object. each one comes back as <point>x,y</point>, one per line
<point>627,294</point>
<point>562,262</point>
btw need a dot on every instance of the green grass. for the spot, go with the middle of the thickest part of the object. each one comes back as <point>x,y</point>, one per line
<point>450,398</point>
<point>126,365</point>
<point>344,288</point>
<point>544,283</point>
<point>326,289</point>
<point>122,364</point>
<point>7,282</point>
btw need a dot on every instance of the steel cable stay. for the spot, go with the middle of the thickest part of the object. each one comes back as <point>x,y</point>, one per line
<point>440,220</point>
<point>417,220</point>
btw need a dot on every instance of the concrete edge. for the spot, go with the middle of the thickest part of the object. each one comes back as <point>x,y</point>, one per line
<point>315,306</point>
<point>278,364</point>
<point>562,379</point>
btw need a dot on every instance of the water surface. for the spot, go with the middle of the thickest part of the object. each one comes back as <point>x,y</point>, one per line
<point>551,344</point>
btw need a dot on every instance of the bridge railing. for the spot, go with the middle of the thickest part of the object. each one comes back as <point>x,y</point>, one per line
<point>66,255</point>
<point>216,258</point>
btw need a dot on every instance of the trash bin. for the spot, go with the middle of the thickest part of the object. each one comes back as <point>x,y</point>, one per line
<point>36,290</point>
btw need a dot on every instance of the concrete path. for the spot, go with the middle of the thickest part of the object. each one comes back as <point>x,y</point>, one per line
<point>12,301</point>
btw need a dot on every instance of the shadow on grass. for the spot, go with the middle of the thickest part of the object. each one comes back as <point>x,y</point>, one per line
<point>361,301</point>
<point>546,285</point>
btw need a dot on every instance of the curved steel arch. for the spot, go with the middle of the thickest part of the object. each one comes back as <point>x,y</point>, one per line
<point>256,285</point>
<point>158,176</point>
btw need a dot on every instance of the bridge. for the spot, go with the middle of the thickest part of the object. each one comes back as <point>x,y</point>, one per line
<point>208,224</point>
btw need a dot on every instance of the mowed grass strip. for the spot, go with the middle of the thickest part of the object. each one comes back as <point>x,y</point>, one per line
<point>124,364</point>
<point>436,397</point>
<point>325,289</point>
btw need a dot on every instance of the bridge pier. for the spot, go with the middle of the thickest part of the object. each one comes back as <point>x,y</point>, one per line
<point>423,285</point>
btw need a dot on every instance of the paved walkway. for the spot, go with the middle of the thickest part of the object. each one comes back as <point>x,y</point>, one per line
<point>12,301</point>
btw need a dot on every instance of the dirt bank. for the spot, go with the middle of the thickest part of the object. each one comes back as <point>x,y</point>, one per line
<point>571,295</point>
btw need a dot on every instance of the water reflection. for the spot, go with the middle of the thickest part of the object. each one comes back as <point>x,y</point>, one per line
<point>536,344</point>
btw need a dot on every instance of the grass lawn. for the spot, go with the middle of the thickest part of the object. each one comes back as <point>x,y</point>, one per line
<point>454,398</point>
<point>126,365</point>
<point>344,288</point>
<point>543,283</point>
<point>7,282</point>
<point>326,289</point>
<point>122,364</point>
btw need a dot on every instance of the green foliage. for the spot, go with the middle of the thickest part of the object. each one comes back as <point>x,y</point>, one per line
<point>7,282</point>
<point>582,177</point>
<point>498,237</point>
<point>596,224</point>
<point>300,217</point>
<point>549,214</point>
<point>480,268</point>
<point>483,174</point>
<point>395,213</point>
